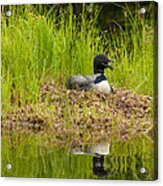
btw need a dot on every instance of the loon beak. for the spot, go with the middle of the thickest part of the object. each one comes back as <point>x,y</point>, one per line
<point>107,66</point>
<point>111,68</point>
<point>110,61</point>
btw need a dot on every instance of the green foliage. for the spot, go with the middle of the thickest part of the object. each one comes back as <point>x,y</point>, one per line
<point>37,47</point>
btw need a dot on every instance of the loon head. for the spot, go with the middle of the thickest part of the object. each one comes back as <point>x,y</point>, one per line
<point>101,61</point>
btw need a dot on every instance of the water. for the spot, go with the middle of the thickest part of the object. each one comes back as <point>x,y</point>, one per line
<point>124,161</point>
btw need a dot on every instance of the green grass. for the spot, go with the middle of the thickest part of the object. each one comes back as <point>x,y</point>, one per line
<point>36,48</point>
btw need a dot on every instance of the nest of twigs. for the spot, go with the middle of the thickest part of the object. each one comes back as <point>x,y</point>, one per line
<point>75,117</point>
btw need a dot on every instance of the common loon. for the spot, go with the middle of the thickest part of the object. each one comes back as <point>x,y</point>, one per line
<point>97,82</point>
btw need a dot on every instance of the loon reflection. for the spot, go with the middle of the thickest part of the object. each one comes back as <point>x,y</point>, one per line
<point>99,151</point>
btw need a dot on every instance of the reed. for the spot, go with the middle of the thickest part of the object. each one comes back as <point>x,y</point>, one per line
<point>38,47</point>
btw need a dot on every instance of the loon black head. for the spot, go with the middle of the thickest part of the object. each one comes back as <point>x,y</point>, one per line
<point>101,62</point>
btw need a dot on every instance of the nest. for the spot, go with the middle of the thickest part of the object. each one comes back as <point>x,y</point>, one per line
<point>75,117</point>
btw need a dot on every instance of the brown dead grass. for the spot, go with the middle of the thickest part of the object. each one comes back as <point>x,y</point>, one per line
<point>72,117</point>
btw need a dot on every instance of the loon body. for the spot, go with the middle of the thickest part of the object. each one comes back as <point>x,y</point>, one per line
<point>97,82</point>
